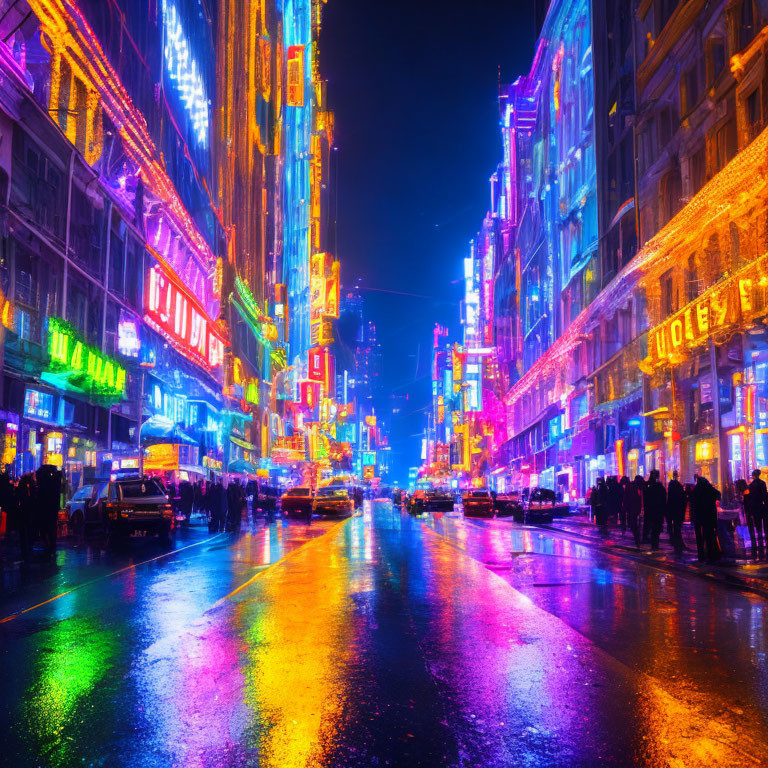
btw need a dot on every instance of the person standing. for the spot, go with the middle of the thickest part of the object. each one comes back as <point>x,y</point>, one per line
<point>676,504</point>
<point>26,498</point>
<point>48,503</point>
<point>614,502</point>
<point>756,499</point>
<point>655,506</point>
<point>704,498</point>
<point>633,504</point>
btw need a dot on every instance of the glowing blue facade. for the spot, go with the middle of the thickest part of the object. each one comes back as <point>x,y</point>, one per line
<point>557,234</point>
<point>297,126</point>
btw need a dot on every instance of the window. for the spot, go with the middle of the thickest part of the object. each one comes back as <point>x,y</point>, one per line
<point>77,302</point>
<point>753,114</point>
<point>37,185</point>
<point>667,294</point>
<point>715,60</point>
<point>667,126</point>
<point>117,260</point>
<point>671,193</point>
<point>692,280</point>
<point>746,30</point>
<point>26,279</point>
<point>697,166</point>
<point>725,144</point>
<point>689,90</point>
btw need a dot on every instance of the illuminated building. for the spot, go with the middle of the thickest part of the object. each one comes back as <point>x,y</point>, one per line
<point>702,93</point>
<point>659,360</point>
<point>248,145</point>
<point>549,270</point>
<point>112,240</point>
<point>155,151</point>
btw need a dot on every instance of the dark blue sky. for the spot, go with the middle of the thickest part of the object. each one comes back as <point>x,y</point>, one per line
<point>414,86</point>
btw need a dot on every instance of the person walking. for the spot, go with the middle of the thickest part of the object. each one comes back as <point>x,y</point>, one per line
<point>704,498</point>
<point>234,506</point>
<point>676,504</point>
<point>756,499</point>
<point>655,506</point>
<point>221,506</point>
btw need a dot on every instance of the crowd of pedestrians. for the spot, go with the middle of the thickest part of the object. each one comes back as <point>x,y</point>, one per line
<point>223,506</point>
<point>643,507</point>
<point>32,505</point>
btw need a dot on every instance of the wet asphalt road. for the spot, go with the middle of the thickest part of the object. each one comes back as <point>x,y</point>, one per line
<point>379,641</point>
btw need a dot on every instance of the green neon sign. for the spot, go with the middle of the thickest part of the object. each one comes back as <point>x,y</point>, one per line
<point>77,366</point>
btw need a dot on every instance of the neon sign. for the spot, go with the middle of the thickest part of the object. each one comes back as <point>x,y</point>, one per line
<point>128,342</point>
<point>733,302</point>
<point>185,73</point>
<point>77,366</point>
<point>319,365</point>
<point>295,85</point>
<point>174,312</point>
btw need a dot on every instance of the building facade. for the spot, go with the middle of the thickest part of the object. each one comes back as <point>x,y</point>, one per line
<point>166,221</point>
<point>629,290</point>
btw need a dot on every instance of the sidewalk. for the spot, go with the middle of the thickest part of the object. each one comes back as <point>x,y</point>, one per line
<point>741,573</point>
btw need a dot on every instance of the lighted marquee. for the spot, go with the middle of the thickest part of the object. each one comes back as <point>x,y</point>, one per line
<point>733,302</point>
<point>185,73</point>
<point>74,365</point>
<point>173,311</point>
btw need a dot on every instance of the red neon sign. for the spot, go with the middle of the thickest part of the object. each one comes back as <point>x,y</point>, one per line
<point>309,394</point>
<point>173,311</point>
<point>318,365</point>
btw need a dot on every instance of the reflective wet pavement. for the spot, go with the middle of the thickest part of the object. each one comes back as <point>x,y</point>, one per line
<point>385,641</point>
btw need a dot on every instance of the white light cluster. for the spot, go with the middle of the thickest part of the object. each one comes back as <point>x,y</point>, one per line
<point>183,70</point>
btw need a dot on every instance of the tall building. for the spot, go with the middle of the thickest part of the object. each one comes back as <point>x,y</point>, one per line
<point>165,263</point>
<point>110,257</point>
<point>634,336</point>
<point>702,97</point>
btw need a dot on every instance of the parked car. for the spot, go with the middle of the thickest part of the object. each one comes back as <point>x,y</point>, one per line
<point>138,505</point>
<point>75,509</point>
<point>416,501</point>
<point>94,508</point>
<point>333,501</point>
<point>543,506</point>
<point>478,504</point>
<point>438,501</point>
<point>509,504</point>
<point>296,502</point>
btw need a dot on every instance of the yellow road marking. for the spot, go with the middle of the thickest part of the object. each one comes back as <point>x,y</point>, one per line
<point>106,576</point>
<point>292,553</point>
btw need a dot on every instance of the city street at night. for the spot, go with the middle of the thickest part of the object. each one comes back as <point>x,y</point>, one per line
<point>383,385</point>
<point>379,640</point>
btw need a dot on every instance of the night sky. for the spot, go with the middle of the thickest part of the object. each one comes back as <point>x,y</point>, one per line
<point>414,86</point>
